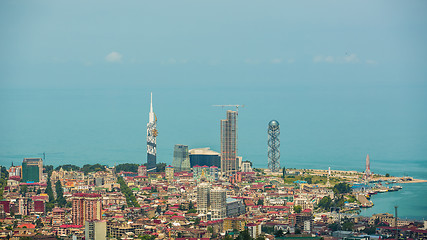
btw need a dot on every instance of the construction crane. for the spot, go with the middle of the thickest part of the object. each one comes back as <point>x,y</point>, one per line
<point>230,105</point>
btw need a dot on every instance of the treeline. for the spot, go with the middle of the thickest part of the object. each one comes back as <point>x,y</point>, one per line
<point>339,189</point>
<point>60,200</point>
<point>133,167</point>
<point>3,180</point>
<point>88,168</point>
<point>130,197</point>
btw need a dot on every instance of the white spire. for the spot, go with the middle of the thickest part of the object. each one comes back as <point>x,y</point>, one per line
<point>151,114</point>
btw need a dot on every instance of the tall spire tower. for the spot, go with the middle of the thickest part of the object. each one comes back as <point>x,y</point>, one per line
<point>151,139</point>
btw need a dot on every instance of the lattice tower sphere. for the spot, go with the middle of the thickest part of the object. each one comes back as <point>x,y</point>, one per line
<point>273,146</point>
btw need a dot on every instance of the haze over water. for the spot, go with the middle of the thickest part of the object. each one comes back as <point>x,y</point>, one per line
<point>343,80</point>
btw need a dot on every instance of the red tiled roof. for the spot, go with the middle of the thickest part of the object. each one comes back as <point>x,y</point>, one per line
<point>70,226</point>
<point>27,225</point>
<point>86,195</point>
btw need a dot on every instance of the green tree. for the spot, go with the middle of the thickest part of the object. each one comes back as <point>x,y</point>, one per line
<point>93,168</point>
<point>244,235</point>
<point>228,237</point>
<point>325,203</point>
<point>68,167</point>
<point>260,202</point>
<point>197,221</point>
<point>23,190</point>
<point>130,197</point>
<point>160,167</point>
<point>297,209</point>
<point>279,233</point>
<point>341,188</point>
<point>387,175</point>
<point>49,190</point>
<point>347,225</point>
<point>48,169</point>
<point>284,172</point>
<point>127,167</point>
<point>39,223</point>
<point>60,194</point>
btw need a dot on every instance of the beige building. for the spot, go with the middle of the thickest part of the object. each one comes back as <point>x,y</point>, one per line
<point>96,230</point>
<point>218,203</point>
<point>203,198</point>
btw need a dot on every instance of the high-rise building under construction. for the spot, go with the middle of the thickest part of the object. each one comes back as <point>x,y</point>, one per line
<point>229,144</point>
<point>151,139</point>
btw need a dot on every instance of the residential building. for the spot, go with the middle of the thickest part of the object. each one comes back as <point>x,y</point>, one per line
<point>96,230</point>
<point>142,171</point>
<point>203,198</point>
<point>32,170</point>
<point>218,204</point>
<point>246,166</point>
<point>86,207</point>
<point>235,207</point>
<point>169,170</point>
<point>254,229</point>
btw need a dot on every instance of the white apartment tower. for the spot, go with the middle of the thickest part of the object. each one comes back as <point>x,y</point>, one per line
<point>218,203</point>
<point>203,198</point>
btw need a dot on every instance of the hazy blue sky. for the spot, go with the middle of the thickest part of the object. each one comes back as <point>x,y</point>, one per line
<point>344,78</point>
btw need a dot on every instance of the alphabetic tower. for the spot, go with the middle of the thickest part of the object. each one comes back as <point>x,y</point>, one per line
<point>273,146</point>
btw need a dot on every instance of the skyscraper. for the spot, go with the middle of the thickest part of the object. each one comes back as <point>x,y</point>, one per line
<point>229,144</point>
<point>151,139</point>
<point>32,170</point>
<point>181,158</point>
<point>273,146</point>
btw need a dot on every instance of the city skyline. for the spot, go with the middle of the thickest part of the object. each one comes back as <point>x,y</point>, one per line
<point>346,80</point>
<point>357,89</point>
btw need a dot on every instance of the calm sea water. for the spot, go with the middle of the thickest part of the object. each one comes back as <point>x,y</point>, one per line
<point>318,129</point>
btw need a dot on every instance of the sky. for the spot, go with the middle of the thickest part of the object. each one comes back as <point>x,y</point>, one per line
<point>343,78</point>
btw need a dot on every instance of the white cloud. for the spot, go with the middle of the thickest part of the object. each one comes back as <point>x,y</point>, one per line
<point>352,58</point>
<point>348,58</point>
<point>291,60</point>
<point>276,60</point>
<point>114,57</point>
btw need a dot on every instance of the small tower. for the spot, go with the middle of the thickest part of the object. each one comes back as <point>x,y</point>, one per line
<point>328,184</point>
<point>273,146</point>
<point>368,168</point>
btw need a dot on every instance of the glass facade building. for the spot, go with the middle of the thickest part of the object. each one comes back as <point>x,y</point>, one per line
<point>204,157</point>
<point>181,158</point>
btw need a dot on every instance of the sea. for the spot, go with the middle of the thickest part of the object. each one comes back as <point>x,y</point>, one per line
<point>320,128</point>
